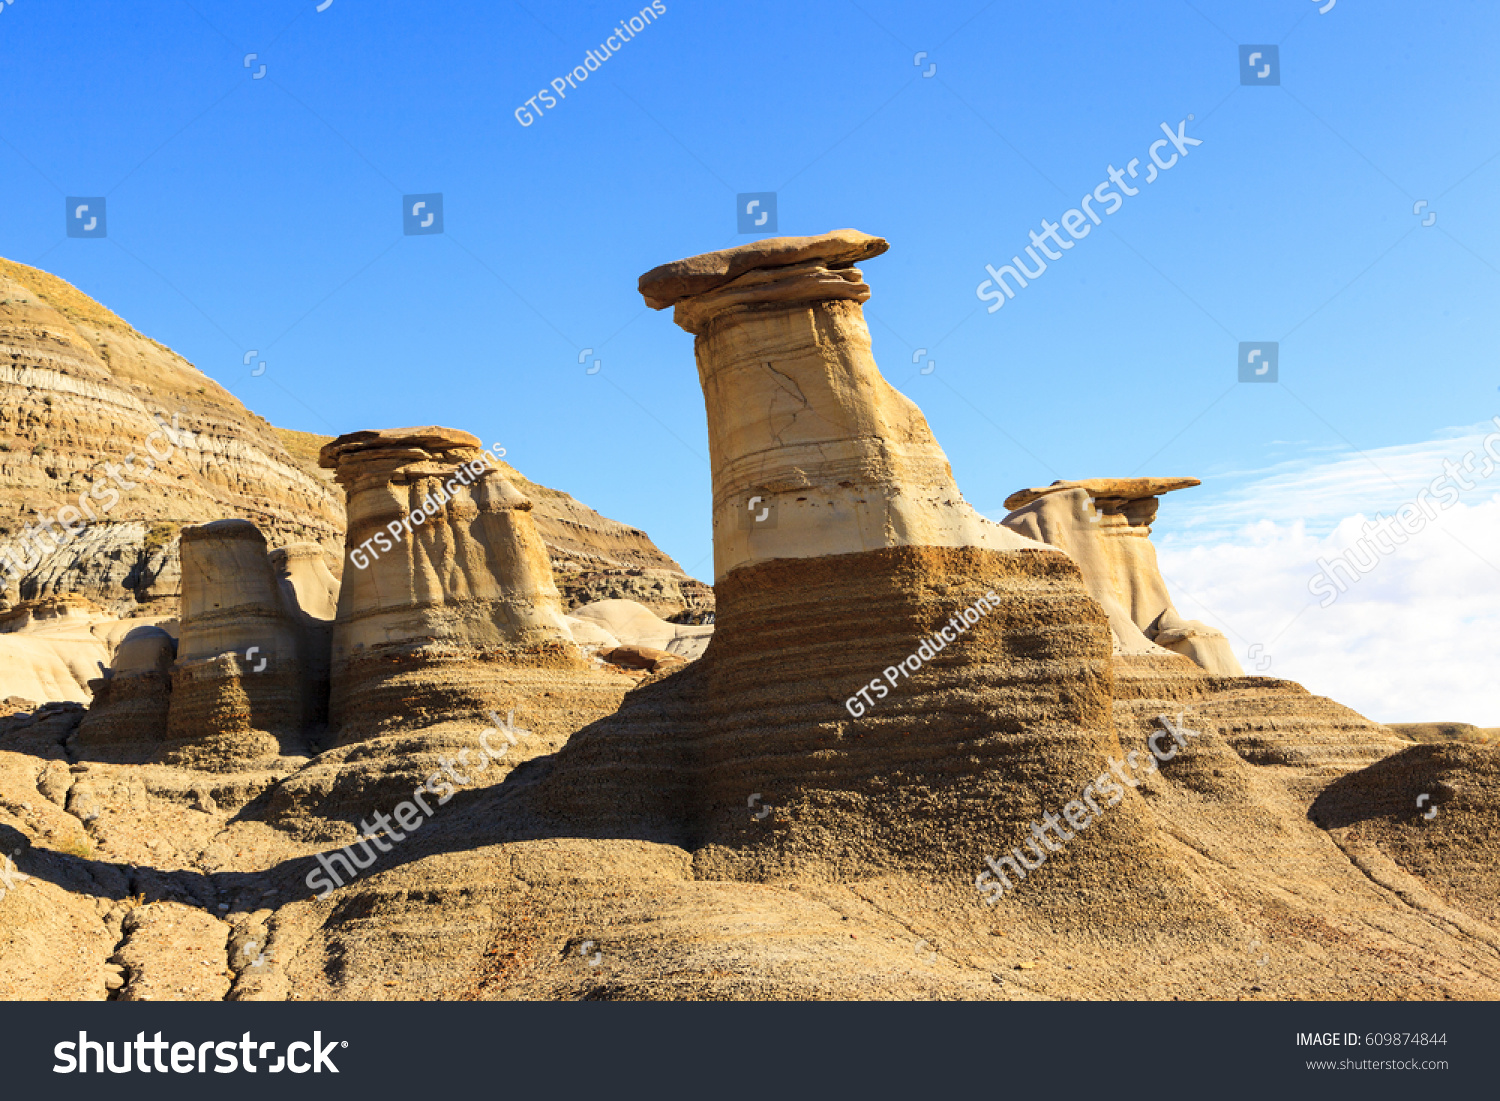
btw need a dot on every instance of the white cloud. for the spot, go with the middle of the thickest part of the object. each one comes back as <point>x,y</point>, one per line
<point>1325,490</point>
<point>1417,638</point>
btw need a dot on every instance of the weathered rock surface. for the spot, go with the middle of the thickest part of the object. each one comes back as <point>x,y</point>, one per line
<point>736,829</point>
<point>447,615</point>
<point>129,714</point>
<point>1104,524</point>
<point>1425,824</point>
<point>119,443</point>
<point>52,649</point>
<point>242,685</point>
<point>633,624</point>
<point>813,452</point>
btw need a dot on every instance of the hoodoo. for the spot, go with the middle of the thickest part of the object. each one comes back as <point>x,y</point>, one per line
<point>442,563</point>
<point>240,686</point>
<point>1104,524</point>
<point>447,616</point>
<point>867,566</point>
<point>813,452</point>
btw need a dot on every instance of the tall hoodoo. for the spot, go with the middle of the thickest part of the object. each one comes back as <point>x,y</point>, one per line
<point>868,567</point>
<point>814,453</point>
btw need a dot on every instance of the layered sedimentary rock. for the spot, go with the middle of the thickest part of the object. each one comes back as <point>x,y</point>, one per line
<point>129,714</point>
<point>992,662</point>
<point>1104,524</point>
<point>813,452</point>
<point>1262,721</point>
<point>311,594</point>
<point>443,556</point>
<point>241,684</point>
<point>110,443</point>
<point>1426,824</point>
<point>447,616</point>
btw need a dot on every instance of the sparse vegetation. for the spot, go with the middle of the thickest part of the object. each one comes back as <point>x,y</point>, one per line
<point>159,535</point>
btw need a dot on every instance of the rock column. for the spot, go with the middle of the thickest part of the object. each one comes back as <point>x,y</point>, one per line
<point>239,688</point>
<point>1104,524</point>
<point>813,452</point>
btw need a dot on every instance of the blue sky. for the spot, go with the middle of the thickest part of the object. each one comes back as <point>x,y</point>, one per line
<point>265,214</point>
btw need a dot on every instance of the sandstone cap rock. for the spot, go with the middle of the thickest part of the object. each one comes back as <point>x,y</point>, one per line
<point>670,283</point>
<point>430,437</point>
<point>1128,489</point>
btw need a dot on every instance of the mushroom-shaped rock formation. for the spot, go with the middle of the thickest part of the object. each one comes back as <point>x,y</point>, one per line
<point>447,617</point>
<point>813,452</point>
<point>440,546</point>
<point>1104,524</point>
<point>904,684</point>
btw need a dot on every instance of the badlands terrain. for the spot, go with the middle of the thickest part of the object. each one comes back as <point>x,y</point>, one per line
<point>376,717</point>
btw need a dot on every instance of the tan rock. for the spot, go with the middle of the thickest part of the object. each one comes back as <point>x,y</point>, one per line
<point>670,283</point>
<point>634,624</point>
<point>147,649</point>
<point>1124,489</point>
<point>82,395</point>
<point>642,657</point>
<point>52,648</point>
<point>241,688</point>
<point>447,615</point>
<point>471,571</point>
<point>310,592</point>
<point>129,713</point>
<point>1104,525</point>
<point>813,452</point>
<point>302,568</point>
